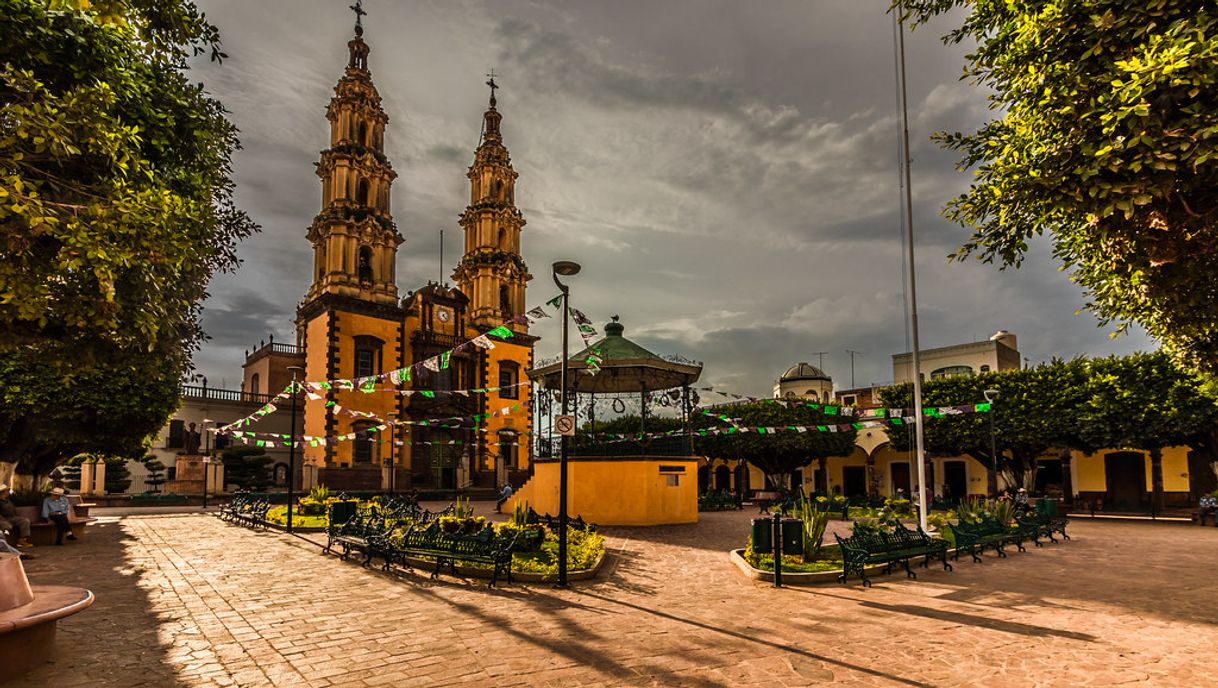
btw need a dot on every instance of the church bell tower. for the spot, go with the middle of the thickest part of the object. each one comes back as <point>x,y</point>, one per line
<point>354,237</point>
<point>491,272</point>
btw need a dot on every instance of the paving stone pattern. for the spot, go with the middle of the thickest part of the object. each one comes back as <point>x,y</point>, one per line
<point>185,600</point>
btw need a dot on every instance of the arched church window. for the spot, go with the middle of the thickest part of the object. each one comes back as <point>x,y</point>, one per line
<point>361,192</point>
<point>502,243</point>
<point>494,189</point>
<point>505,302</point>
<point>363,134</point>
<point>365,264</point>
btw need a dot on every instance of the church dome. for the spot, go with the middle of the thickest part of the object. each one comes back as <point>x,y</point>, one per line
<point>804,371</point>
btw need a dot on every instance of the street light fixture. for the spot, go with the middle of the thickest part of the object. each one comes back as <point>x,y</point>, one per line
<point>565,268</point>
<point>292,446</point>
<point>991,395</point>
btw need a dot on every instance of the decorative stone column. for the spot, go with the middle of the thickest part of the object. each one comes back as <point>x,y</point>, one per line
<point>86,477</point>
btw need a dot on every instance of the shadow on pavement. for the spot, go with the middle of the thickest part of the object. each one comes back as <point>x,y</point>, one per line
<point>113,643</point>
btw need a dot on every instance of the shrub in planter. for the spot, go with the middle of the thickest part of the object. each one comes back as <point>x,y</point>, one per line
<point>462,525</point>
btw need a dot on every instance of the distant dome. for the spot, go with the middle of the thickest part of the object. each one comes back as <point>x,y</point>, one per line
<point>804,371</point>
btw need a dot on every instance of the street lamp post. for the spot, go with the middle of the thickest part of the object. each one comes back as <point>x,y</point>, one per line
<point>292,446</point>
<point>990,396</point>
<point>207,429</point>
<point>565,268</point>
<point>393,448</point>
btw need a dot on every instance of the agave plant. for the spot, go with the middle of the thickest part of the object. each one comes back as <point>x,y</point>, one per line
<point>814,523</point>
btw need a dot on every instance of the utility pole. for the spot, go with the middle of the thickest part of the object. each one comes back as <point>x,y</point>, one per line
<point>852,355</point>
<point>820,359</point>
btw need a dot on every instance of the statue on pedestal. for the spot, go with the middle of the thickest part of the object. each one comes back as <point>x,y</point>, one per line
<point>192,440</point>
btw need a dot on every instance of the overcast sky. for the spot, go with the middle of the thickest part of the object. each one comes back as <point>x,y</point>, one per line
<point>726,173</point>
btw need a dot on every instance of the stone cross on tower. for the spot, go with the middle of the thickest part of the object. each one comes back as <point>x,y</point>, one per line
<point>358,9</point>
<point>491,82</point>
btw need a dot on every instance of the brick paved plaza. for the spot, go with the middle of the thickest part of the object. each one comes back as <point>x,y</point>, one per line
<point>184,600</point>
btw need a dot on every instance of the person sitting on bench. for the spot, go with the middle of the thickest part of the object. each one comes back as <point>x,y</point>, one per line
<point>55,509</point>
<point>503,497</point>
<point>1208,504</point>
<point>10,521</point>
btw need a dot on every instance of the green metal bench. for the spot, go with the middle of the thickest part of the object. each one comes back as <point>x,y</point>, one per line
<point>889,548</point>
<point>361,533</point>
<point>974,538</point>
<point>718,501</point>
<point>447,549</point>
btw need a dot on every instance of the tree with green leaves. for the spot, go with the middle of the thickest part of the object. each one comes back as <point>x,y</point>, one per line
<point>1107,140</point>
<point>156,473</point>
<point>1146,402</point>
<point>1035,410</point>
<point>116,208</point>
<point>247,467</point>
<point>118,475</point>
<point>772,443</point>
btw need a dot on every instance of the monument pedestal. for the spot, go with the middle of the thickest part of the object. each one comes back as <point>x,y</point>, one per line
<point>191,470</point>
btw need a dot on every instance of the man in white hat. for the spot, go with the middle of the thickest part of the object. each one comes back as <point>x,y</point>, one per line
<point>55,509</point>
<point>10,521</point>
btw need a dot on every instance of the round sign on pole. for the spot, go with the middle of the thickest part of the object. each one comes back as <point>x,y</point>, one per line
<point>565,425</point>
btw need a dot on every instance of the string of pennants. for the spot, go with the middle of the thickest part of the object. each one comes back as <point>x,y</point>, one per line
<point>369,384</point>
<point>273,439</point>
<point>871,418</point>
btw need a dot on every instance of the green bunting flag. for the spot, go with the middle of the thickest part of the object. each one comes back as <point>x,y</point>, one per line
<point>501,332</point>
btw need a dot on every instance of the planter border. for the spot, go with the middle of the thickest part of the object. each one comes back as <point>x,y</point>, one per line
<point>798,577</point>
<point>425,566</point>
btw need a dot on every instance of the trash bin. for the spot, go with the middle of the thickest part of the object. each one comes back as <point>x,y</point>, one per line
<point>792,535</point>
<point>341,512</point>
<point>1047,506</point>
<point>762,531</point>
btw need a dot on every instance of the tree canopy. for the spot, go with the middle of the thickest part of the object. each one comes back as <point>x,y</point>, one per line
<point>783,450</point>
<point>1143,401</point>
<point>1107,139</point>
<point>116,208</point>
<point>1035,410</point>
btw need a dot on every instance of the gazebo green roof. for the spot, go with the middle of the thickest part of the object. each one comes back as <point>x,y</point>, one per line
<point>625,367</point>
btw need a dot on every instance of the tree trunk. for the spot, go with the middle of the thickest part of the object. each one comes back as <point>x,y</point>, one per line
<point>1156,479</point>
<point>1067,481</point>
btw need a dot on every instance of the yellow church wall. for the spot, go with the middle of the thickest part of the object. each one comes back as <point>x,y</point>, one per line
<point>612,491</point>
<point>316,354</point>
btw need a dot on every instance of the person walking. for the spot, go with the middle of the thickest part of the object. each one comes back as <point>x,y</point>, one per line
<point>55,508</point>
<point>10,521</point>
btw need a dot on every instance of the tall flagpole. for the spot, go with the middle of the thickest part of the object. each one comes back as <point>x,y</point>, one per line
<point>919,428</point>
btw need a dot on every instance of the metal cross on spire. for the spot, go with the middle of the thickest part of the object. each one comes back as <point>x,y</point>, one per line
<point>358,9</point>
<point>491,82</point>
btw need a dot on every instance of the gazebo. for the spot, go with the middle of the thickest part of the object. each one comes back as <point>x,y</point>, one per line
<point>623,482</point>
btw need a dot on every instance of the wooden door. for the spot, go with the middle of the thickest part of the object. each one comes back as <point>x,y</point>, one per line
<point>900,478</point>
<point>1125,475</point>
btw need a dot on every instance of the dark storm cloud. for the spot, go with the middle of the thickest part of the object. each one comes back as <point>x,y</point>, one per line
<point>725,172</point>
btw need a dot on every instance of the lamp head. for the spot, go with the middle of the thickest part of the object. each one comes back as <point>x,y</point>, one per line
<point>990,395</point>
<point>566,268</point>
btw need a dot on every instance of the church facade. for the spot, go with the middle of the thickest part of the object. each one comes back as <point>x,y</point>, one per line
<point>471,428</point>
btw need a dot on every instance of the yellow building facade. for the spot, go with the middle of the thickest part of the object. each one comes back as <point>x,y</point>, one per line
<point>471,427</point>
